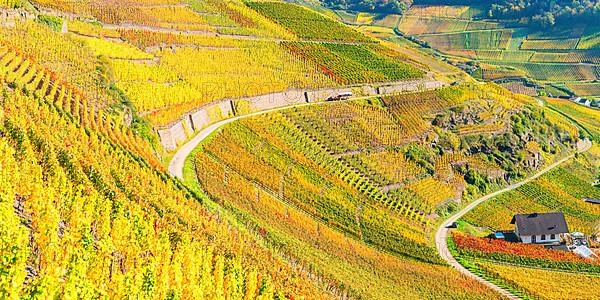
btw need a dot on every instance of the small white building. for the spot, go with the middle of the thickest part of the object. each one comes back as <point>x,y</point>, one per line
<point>540,228</point>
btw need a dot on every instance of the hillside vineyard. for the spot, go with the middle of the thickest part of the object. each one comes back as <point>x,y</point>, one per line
<point>211,149</point>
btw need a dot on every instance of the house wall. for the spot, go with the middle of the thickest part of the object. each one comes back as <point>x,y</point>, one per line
<point>527,239</point>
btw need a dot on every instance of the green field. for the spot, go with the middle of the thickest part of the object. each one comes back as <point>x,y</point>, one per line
<point>485,39</point>
<point>562,44</point>
<point>585,89</point>
<point>555,72</point>
<point>557,54</point>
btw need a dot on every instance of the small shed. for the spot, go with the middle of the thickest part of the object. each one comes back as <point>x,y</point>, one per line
<point>540,228</point>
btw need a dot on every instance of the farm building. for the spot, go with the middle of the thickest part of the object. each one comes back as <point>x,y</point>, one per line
<point>540,228</point>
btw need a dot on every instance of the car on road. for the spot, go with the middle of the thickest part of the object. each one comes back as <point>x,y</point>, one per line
<point>340,96</point>
<point>452,225</point>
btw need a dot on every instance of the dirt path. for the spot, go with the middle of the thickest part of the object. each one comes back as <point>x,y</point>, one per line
<point>441,234</point>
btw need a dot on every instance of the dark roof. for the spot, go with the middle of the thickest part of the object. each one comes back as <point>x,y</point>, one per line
<point>540,223</point>
<point>592,200</point>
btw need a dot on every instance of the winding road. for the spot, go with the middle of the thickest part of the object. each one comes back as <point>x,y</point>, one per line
<point>441,235</point>
<point>177,163</point>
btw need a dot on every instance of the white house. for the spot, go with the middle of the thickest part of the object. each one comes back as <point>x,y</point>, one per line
<point>540,228</point>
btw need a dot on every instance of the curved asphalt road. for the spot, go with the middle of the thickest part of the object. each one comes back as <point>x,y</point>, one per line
<point>441,234</point>
<point>178,160</point>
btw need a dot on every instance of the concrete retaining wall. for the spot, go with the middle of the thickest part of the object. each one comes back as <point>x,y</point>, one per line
<point>269,101</point>
<point>410,86</point>
<point>173,135</point>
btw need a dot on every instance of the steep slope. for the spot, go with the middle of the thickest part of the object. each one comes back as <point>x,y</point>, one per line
<point>337,200</point>
<point>84,217</point>
<point>365,174</point>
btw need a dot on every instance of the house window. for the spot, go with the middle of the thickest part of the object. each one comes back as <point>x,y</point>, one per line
<point>553,236</point>
<point>543,237</point>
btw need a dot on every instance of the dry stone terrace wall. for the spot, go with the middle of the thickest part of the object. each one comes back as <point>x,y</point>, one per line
<point>176,133</point>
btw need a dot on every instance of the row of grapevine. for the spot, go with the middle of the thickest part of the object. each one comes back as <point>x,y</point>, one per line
<point>114,50</point>
<point>493,73</point>
<point>22,72</point>
<point>432,191</point>
<point>529,56</point>
<point>463,12</point>
<point>349,127</point>
<point>409,111</point>
<point>586,117</point>
<point>88,220</point>
<point>569,57</point>
<point>565,44</point>
<point>585,89</point>
<point>558,190</point>
<point>385,167</point>
<point>522,254</point>
<point>557,71</point>
<point>312,148</point>
<point>187,78</point>
<point>412,25</point>
<point>503,55</point>
<point>91,30</point>
<point>144,39</point>
<point>484,39</point>
<point>520,88</point>
<point>341,262</point>
<point>198,17</point>
<point>351,64</point>
<point>67,58</point>
<point>307,24</point>
<point>541,284</point>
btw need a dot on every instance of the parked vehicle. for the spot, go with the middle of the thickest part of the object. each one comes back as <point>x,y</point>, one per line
<point>340,96</point>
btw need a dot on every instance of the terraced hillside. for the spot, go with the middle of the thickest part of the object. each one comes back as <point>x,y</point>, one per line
<point>317,200</point>
<point>519,267</point>
<point>164,69</point>
<point>501,50</point>
<point>87,211</point>
<point>516,266</point>
<point>380,172</point>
